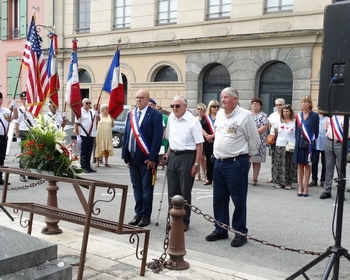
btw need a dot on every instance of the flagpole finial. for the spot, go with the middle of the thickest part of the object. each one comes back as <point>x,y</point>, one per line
<point>36,8</point>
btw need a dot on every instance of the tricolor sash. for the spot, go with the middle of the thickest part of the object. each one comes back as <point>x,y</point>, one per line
<point>305,133</point>
<point>210,122</point>
<point>336,127</point>
<point>140,139</point>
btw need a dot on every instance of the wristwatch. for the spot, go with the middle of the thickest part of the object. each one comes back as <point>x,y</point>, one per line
<point>197,164</point>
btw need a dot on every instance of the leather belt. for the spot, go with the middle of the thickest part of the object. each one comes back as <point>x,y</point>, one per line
<point>230,158</point>
<point>336,141</point>
<point>183,152</point>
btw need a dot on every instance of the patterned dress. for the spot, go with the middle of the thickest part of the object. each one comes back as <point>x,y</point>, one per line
<point>260,120</point>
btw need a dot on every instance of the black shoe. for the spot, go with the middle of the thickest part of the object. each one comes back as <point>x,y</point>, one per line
<point>214,236</point>
<point>312,184</point>
<point>32,178</point>
<point>238,241</point>
<point>22,178</point>
<point>322,184</point>
<point>92,170</point>
<point>2,182</point>
<point>135,220</point>
<point>87,171</point>
<point>325,195</point>
<point>186,227</point>
<point>144,221</point>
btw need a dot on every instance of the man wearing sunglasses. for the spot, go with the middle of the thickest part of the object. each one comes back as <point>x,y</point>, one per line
<point>184,132</point>
<point>85,129</point>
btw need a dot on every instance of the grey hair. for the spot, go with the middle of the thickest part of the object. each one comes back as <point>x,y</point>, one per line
<point>231,91</point>
<point>281,100</point>
<point>182,98</point>
<point>103,106</point>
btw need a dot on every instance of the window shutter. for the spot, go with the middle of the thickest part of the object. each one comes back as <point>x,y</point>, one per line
<point>23,19</point>
<point>13,65</point>
<point>4,19</point>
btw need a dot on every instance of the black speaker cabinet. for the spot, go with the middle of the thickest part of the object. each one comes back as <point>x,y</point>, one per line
<point>334,92</point>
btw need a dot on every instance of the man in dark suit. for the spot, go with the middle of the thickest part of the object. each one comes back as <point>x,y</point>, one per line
<point>141,145</point>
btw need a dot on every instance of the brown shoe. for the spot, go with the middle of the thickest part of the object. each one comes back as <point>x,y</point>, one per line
<point>186,227</point>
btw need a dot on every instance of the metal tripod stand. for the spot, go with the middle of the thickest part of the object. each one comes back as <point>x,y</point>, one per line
<point>336,251</point>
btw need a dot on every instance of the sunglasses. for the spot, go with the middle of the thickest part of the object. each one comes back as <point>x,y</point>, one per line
<point>199,109</point>
<point>177,106</point>
<point>215,106</point>
<point>88,103</point>
<point>23,98</point>
<point>279,105</point>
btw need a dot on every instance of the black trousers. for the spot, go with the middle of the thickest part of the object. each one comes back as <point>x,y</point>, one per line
<point>3,145</point>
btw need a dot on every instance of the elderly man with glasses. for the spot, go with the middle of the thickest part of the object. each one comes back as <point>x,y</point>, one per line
<point>85,129</point>
<point>184,132</point>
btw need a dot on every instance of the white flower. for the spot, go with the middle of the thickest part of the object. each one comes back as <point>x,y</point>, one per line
<point>58,148</point>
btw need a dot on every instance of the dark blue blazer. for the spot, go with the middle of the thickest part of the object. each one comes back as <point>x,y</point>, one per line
<point>152,129</point>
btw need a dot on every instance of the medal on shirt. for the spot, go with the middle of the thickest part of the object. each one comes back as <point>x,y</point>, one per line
<point>232,128</point>
<point>7,117</point>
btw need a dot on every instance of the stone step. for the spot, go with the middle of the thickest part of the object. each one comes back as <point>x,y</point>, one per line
<point>23,254</point>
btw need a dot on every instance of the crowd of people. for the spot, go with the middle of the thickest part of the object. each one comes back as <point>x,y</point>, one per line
<point>224,143</point>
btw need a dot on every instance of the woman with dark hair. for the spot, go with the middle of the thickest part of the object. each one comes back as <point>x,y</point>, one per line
<point>207,123</point>
<point>284,171</point>
<point>306,131</point>
<point>261,122</point>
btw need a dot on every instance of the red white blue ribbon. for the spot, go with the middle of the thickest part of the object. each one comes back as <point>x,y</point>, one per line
<point>140,139</point>
<point>336,127</point>
<point>210,122</point>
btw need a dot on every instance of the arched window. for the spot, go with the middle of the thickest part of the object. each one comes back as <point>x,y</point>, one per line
<point>215,80</point>
<point>276,81</point>
<point>125,85</point>
<point>166,74</point>
<point>84,76</point>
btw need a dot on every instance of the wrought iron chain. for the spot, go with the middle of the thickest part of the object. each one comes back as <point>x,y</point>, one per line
<point>228,228</point>
<point>157,264</point>
<point>31,185</point>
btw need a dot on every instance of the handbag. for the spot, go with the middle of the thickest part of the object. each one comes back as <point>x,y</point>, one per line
<point>290,147</point>
<point>304,143</point>
<point>270,140</point>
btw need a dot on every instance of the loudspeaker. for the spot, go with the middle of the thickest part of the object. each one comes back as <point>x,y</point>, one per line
<point>334,91</point>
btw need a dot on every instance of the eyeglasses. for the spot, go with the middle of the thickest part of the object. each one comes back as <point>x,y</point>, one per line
<point>215,106</point>
<point>88,103</point>
<point>177,106</point>
<point>139,98</point>
<point>199,109</point>
<point>257,103</point>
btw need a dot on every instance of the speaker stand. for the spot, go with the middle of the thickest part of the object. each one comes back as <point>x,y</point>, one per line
<point>336,251</point>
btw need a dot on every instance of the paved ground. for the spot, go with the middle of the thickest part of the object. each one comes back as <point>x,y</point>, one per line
<point>277,216</point>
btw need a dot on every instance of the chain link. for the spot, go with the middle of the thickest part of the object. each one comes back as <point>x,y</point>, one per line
<point>228,228</point>
<point>31,185</point>
<point>157,264</point>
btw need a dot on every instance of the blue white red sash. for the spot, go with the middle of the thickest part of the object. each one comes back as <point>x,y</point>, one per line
<point>210,122</point>
<point>140,139</point>
<point>338,131</point>
<point>305,132</point>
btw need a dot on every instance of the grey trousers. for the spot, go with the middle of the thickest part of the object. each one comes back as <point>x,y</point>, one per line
<point>332,158</point>
<point>179,179</point>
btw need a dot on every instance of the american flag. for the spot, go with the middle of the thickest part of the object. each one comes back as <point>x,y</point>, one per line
<point>37,81</point>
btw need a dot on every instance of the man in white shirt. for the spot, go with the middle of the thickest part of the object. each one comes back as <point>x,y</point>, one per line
<point>24,121</point>
<point>236,140</point>
<point>6,116</point>
<point>60,120</point>
<point>85,128</point>
<point>184,132</point>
